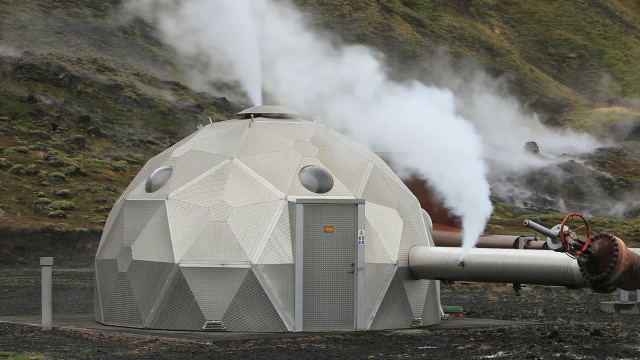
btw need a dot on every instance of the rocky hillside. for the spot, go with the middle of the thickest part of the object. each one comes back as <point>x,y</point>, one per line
<point>86,99</point>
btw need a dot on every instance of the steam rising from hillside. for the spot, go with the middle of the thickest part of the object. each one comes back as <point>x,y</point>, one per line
<point>444,134</point>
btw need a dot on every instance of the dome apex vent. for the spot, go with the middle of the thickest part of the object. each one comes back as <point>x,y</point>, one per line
<point>272,112</point>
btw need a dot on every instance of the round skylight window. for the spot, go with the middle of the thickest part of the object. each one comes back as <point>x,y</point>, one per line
<point>158,178</point>
<point>315,179</point>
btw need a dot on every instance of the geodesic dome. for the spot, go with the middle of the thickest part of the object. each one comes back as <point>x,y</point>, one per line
<point>205,235</point>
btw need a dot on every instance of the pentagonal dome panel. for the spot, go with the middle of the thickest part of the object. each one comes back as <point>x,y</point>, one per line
<point>211,130</point>
<point>244,189</point>
<point>388,224</point>
<point>178,308</point>
<point>208,189</point>
<point>395,310</point>
<point>351,171</point>
<point>122,307</point>
<point>280,280</point>
<point>214,288</point>
<point>221,143</point>
<point>137,214</point>
<point>416,292</point>
<point>377,278</point>
<point>252,310</point>
<point>327,140</point>
<point>279,249</point>
<point>112,238</point>
<point>305,148</point>
<point>154,242</point>
<point>187,221</point>
<point>191,165</point>
<point>294,130</point>
<point>216,244</point>
<point>376,249</point>
<point>106,273</point>
<point>278,168</point>
<point>147,279</point>
<point>378,191</point>
<point>124,259</point>
<point>220,210</point>
<point>261,140</point>
<point>252,223</point>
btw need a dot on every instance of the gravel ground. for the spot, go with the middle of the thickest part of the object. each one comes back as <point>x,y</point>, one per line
<point>571,327</point>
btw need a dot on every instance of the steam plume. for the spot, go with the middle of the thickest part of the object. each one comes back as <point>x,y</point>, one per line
<point>444,134</point>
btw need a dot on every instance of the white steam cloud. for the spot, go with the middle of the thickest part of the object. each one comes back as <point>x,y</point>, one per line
<point>218,39</point>
<point>444,134</point>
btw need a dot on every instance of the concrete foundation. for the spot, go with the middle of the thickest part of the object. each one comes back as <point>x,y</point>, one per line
<point>620,307</point>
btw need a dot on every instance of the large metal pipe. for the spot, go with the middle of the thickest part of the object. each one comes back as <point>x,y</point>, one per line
<point>495,265</point>
<point>453,238</point>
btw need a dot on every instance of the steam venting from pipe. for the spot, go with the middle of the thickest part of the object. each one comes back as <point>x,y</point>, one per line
<point>445,134</point>
<point>216,39</point>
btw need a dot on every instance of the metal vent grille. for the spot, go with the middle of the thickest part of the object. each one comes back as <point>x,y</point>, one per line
<point>214,325</point>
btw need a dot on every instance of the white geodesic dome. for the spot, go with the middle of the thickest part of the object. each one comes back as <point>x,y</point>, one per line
<point>212,245</point>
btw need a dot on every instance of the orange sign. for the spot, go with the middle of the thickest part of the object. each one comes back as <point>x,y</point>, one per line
<point>328,229</point>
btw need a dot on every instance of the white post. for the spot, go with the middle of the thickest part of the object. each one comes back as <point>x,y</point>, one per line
<point>46,264</point>
<point>624,295</point>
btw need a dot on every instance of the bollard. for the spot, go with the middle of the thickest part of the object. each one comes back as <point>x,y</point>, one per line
<point>46,264</point>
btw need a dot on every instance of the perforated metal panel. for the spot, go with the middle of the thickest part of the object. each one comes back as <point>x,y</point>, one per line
<point>294,130</point>
<point>137,214</point>
<point>431,314</point>
<point>147,279</point>
<point>261,140</point>
<point>250,224</point>
<point>154,242</point>
<point>388,224</point>
<point>305,149</point>
<point>395,310</point>
<point>279,249</point>
<point>217,243</point>
<point>349,170</point>
<point>243,189</point>
<point>178,309</point>
<point>377,191</point>
<point>112,239</point>
<point>97,310</point>
<point>212,130</point>
<point>222,143</point>
<point>187,221</point>
<point>278,168</point>
<point>326,140</point>
<point>191,165</point>
<point>416,293</point>
<point>122,308</point>
<point>375,251</point>
<point>106,273</point>
<point>377,278</point>
<point>214,288</point>
<point>204,191</point>
<point>124,259</point>
<point>251,309</point>
<point>280,279</point>
<point>329,265</point>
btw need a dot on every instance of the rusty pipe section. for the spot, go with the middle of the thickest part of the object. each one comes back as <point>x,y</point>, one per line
<point>495,265</point>
<point>453,238</point>
<point>612,264</point>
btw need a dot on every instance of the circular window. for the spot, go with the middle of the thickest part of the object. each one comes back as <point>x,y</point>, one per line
<point>315,179</point>
<point>158,178</point>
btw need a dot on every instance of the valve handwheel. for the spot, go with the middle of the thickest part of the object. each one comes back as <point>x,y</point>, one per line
<point>570,237</point>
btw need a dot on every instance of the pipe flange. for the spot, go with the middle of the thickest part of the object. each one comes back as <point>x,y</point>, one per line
<point>602,276</point>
